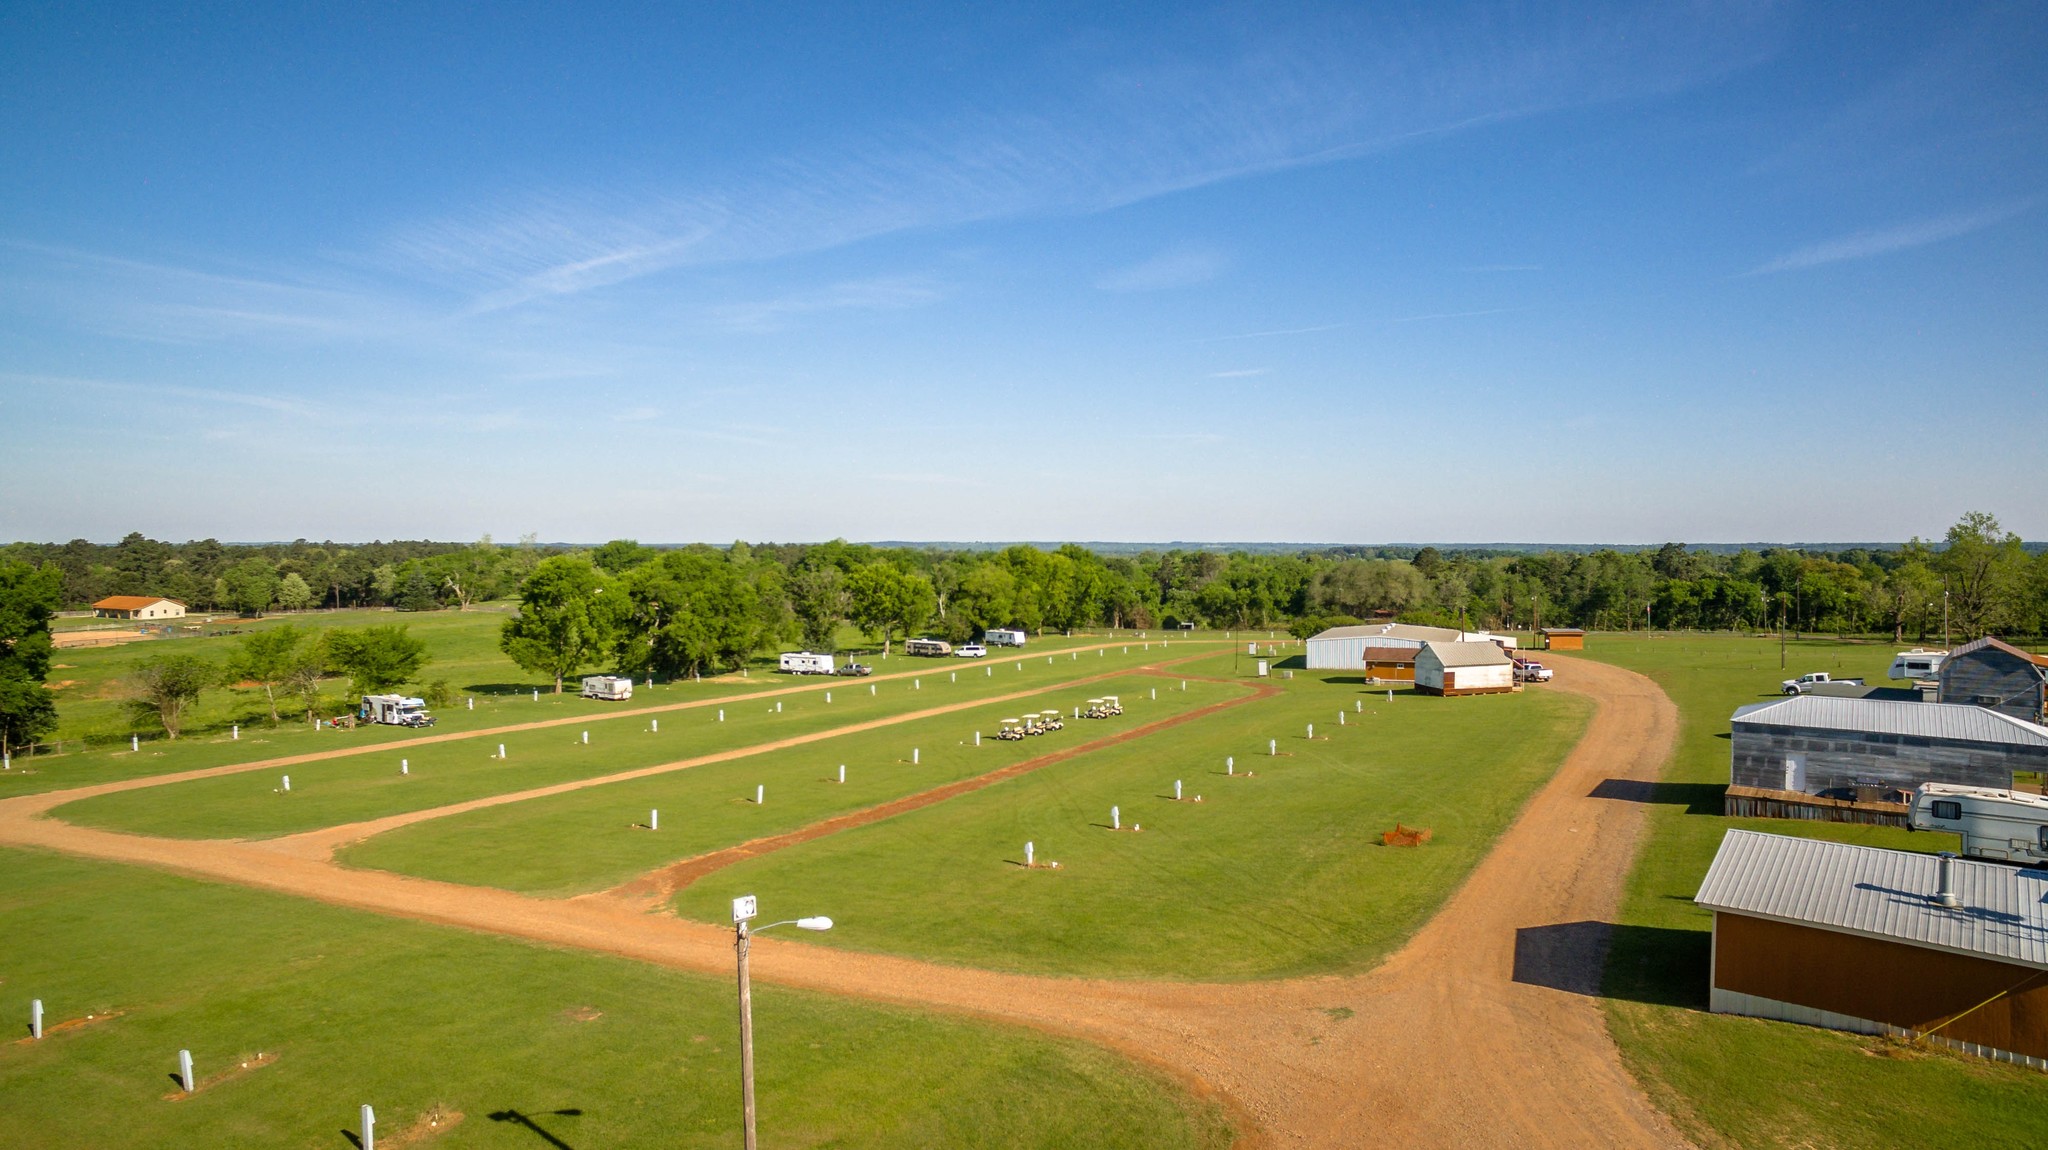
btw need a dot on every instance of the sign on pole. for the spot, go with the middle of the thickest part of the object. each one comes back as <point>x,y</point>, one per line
<point>743,908</point>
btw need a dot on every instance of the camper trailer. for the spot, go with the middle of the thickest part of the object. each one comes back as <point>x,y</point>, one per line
<point>395,711</point>
<point>614,687</point>
<point>1917,664</point>
<point>996,637</point>
<point>2006,826</point>
<point>932,647</point>
<point>805,663</point>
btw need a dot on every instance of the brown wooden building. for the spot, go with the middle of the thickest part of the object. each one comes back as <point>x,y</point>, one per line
<point>138,607</point>
<point>1862,939</point>
<point>1994,674</point>
<point>1563,639</point>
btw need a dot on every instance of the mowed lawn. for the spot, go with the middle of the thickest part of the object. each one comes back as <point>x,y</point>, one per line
<point>531,1046</point>
<point>594,838</point>
<point>1747,1081</point>
<point>334,791</point>
<point>1277,874</point>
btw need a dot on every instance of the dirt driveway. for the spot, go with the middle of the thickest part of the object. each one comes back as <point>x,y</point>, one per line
<point>1480,1032</point>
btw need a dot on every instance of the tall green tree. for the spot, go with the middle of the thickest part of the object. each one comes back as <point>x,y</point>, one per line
<point>819,598</point>
<point>274,659</point>
<point>294,593</point>
<point>1983,566</point>
<point>164,688</point>
<point>377,659</point>
<point>29,596</point>
<point>569,614</point>
<point>249,586</point>
<point>691,612</point>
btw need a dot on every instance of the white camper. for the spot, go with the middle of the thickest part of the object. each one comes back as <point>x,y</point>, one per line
<point>1917,664</point>
<point>995,637</point>
<point>927,647</point>
<point>607,687</point>
<point>2008,826</point>
<point>395,711</point>
<point>806,663</point>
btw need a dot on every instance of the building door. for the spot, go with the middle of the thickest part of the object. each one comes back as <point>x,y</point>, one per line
<point>1795,772</point>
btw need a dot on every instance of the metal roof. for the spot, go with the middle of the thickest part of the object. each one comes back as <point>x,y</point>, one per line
<point>1956,722</point>
<point>1882,894</point>
<point>1480,654</point>
<point>1975,645</point>
<point>1390,631</point>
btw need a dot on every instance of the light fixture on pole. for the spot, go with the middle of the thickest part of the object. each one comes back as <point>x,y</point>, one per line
<point>743,912</point>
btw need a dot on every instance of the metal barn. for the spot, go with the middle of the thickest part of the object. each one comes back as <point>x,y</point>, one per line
<point>1876,942</point>
<point>1990,673</point>
<point>1362,647</point>
<point>1850,748</point>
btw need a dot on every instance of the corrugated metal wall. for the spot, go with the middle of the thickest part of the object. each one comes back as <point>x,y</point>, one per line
<point>1840,758</point>
<point>1998,679</point>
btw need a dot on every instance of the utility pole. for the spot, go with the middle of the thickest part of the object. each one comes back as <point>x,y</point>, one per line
<point>1781,630</point>
<point>1944,612</point>
<point>746,1039</point>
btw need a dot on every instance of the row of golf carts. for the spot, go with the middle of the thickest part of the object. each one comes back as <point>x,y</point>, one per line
<point>1045,722</point>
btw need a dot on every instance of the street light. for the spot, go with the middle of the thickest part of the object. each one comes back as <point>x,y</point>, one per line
<point>743,911</point>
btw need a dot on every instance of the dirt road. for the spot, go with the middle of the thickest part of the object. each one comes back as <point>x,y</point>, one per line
<point>1441,1046</point>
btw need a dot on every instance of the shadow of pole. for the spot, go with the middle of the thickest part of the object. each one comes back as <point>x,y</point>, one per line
<point>518,1119</point>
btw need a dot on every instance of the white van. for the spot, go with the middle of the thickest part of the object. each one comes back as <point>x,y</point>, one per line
<point>614,687</point>
<point>2006,826</point>
<point>1001,638</point>
<point>971,651</point>
<point>1917,664</point>
<point>805,663</point>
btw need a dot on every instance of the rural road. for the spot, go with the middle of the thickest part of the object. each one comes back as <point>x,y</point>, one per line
<point>1481,1031</point>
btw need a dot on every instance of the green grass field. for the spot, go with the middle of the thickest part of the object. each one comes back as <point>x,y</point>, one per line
<point>350,789</point>
<point>532,1046</point>
<point>1747,1081</point>
<point>590,839</point>
<point>1275,875</point>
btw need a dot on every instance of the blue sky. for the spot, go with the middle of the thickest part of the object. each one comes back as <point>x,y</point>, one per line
<point>1605,273</point>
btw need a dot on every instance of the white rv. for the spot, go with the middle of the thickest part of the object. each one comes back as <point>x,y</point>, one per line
<point>1000,638</point>
<point>806,663</point>
<point>395,711</point>
<point>1917,664</point>
<point>2009,826</point>
<point>607,687</point>
<point>927,647</point>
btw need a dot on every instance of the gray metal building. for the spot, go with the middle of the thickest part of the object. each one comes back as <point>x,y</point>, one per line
<point>1825,746</point>
<point>1348,648</point>
<point>2000,676</point>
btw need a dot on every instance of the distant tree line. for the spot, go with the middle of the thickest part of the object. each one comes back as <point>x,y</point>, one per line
<point>208,575</point>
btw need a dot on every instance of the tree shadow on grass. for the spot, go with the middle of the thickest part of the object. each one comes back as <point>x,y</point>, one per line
<point>1696,798</point>
<point>1661,966</point>
<point>482,690</point>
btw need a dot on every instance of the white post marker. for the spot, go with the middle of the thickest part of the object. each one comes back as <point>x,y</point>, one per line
<point>977,738</point>
<point>135,742</point>
<point>1048,660</point>
<point>917,684</point>
<point>778,706</point>
<point>952,676</point>
<point>586,738</point>
<point>1390,694</point>
<point>185,1070</point>
<point>760,794</point>
<point>913,756</point>
<point>1030,850</point>
<point>655,725</point>
<point>721,714</point>
<point>1077,712</point>
<point>871,688</point>
<point>235,732</point>
<point>35,1018</point>
<point>287,783</point>
<point>1358,705</point>
<point>989,671</point>
<point>1230,765</point>
<point>654,820</point>
<point>1176,790</point>
<point>1020,666</point>
<point>828,696</point>
<point>1273,748</point>
<point>472,702</point>
<point>369,1128</point>
<point>1116,819</point>
<point>1311,730</point>
<point>501,750</point>
<point>842,772</point>
<point>1340,718</point>
<point>1251,648</point>
<point>1183,684</point>
<point>1155,693</point>
<point>405,766</point>
<point>536,694</point>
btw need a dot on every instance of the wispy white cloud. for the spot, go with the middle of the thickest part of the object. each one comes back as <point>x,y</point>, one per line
<point>1884,241</point>
<point>885,294</point>
<point>1176,268</point>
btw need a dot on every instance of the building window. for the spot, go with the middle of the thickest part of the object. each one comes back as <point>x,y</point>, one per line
<point>1948,810</point>
<point>2043,832</point>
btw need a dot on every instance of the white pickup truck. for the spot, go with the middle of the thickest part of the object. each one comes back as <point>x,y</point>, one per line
<point>1531,671</point>
<point>1805,683</point>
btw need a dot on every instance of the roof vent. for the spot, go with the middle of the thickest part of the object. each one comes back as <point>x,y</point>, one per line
<point>1945,886</point>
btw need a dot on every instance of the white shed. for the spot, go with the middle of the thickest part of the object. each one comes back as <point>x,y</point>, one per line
<point>1463,669</point>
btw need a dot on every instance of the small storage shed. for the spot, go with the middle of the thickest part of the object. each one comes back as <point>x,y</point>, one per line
<point>138,607</point>
<point>1816,745</point>
<point>1861,939</point>
<point>1998,675</point>
<point>1563,639</point>
<point>1464,669</point>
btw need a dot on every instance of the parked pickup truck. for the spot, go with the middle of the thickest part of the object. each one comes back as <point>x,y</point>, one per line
<point>1805,683</point>
<point>854,669</point>
<point>1531,671</point>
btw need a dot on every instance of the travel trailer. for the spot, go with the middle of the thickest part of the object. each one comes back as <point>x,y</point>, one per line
<point>1917,664</point>
<point>614,687</point>
<point>2005,826</point>
<point>805,663</point>
<point>996,637</point>
<point>927,647</point>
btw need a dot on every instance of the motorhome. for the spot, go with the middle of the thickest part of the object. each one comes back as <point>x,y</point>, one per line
<point>2005,826</point>
<point>395,711</point>
<point>996,637</point>
<point>614,687</point>
<point>805,663</point>
<point>927,647</point>
<point>1917,664</point>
